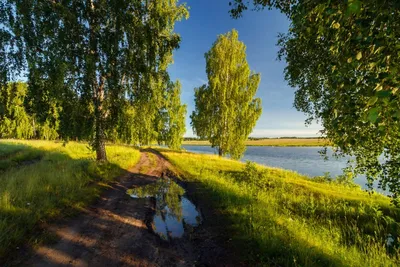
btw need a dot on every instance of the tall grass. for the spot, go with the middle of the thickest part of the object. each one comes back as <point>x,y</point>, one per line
<point>278,217</point>
<point>61,181</point>
<point>12,155</point>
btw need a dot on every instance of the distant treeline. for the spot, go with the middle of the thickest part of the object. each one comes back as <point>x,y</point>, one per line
<point>255,138</point>
<point>284,137</point>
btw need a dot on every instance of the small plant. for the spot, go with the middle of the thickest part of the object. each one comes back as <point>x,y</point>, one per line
<point>347,179</point>
<point>326,178</point>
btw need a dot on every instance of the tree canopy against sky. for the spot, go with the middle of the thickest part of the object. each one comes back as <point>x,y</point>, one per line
<point>225,108</point>
<point>343,59</point>
<point>100,54</point>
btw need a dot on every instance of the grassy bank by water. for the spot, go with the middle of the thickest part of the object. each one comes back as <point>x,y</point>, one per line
<point>272,142</point>
<point>280,218</point>
<point>41,180</point>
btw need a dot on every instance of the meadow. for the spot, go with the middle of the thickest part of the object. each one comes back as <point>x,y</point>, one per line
<point>41,181</point>
<point>267,216</point>
<point>271,142</point>
<point>274,217</point>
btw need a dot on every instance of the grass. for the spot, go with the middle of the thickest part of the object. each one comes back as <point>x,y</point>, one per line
<point>272,142</point>
<point>281,218</point>
<point>12,155</point>
<point>58,182</point>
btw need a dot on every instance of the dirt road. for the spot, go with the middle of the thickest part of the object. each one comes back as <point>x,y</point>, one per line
<point>113,231</point>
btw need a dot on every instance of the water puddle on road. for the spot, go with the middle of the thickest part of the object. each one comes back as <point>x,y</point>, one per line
<point>174,214</point>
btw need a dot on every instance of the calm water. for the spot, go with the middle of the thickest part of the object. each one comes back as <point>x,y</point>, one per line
<point>174,213</point>
<point>305,160</point>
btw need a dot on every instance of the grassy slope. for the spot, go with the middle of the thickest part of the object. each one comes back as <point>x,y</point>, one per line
<point>279,217</point>
<point>271,142</point>
<point>42,180</point>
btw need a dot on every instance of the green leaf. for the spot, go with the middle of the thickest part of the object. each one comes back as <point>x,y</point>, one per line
<point>383,94</point>
<point>372,100</point>
<point>359,56</point>
<point>354,7</point>
<point>349,60</point>
<point>373,114</point>
<point>372,65</point>
<point>378,87</point>
<point>379,49</point>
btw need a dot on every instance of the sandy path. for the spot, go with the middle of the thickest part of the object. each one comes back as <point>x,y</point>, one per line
<point>112,232</point>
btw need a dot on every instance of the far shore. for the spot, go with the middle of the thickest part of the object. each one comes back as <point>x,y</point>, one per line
<point>271,142</point>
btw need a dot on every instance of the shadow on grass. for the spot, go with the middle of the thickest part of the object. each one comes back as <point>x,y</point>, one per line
<point>15,155</point>
<point>262,238</point>
<point>106,236</point>
<point>273,250</point>
<point>38,186</point>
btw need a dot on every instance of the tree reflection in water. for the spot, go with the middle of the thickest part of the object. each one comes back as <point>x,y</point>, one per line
<point>174,214</point>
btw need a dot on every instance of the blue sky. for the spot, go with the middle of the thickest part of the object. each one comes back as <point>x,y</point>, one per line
<point>259,31</point>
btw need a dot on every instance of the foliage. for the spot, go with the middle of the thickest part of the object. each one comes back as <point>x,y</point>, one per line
<point>239,6</point>
<point>343,59</point>
<point>90,57</point>
<point>45,180</point>
<point>14,120</point>
<point>274,217</point>
<point>225,111</point>
<point>174,119</point>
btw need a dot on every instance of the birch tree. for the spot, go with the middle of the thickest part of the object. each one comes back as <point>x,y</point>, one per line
<point>225,108</point>
<point>103,51</point>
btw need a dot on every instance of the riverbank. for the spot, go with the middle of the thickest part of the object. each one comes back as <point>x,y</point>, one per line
<point>276,217</point>
<point>286,142</point>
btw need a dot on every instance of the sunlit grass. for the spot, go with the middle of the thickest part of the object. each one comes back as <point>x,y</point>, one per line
<point>63,180</point>
<point>273,142</point>
<point>278,217</point>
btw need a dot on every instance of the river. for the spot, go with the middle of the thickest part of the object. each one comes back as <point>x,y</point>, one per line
<point>304,160</point>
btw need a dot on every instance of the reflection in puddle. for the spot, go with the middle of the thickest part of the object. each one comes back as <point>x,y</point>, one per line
<point>174,213</point>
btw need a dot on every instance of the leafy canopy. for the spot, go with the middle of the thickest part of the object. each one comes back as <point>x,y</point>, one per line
<point>343,59</point>
<point>93,61</point>
<point>225,109</point>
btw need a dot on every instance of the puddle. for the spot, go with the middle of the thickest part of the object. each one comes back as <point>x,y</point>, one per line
<point>175,214</point>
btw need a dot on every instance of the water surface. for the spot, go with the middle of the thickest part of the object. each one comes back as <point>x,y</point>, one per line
<point>174,212</point>
<point>304,160</point>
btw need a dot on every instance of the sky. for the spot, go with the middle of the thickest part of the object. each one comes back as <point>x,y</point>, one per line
<point>259,31</point>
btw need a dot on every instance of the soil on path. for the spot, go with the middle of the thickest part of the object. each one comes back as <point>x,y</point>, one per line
<point>113,231</point>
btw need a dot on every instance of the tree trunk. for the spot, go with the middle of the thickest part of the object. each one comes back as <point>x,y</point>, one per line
<point>101,151</point>
<point>99,141</point>
<point>220,152</point>
<point>97,83</point>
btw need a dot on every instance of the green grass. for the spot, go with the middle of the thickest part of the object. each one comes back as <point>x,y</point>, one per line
<point>272,142</point>
<point>12,155</point>
<point>280,218</point>
<point>58,183</point>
